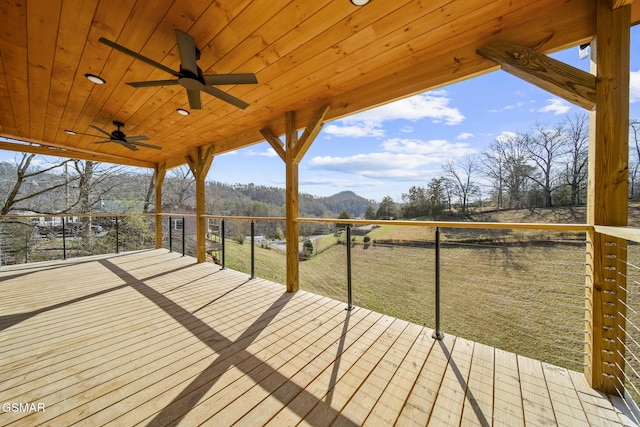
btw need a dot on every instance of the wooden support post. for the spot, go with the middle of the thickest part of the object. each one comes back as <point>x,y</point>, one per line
<point>608,199</point>
<point>199,166</point>
<point>158,178</point>
<point>292,153</point>
<point>292,226</point>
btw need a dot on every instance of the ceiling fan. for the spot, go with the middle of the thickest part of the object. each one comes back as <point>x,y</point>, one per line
<point>119,137</point>
<point>190,75</point>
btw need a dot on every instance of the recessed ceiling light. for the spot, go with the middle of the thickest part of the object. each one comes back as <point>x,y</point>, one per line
<point>95,79</point>
<point>70,132</point>
<point>359,2</point>
<point>182,111</point>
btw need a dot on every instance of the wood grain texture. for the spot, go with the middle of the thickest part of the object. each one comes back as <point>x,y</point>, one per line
<point>306,55</point>
<point>565,81</point>
<point>607,200</point>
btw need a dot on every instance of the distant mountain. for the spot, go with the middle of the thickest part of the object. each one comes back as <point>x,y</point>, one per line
<point>348,201</point>
<point>260,200</point>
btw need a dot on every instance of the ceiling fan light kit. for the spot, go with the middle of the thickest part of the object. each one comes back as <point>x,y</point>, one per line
<point>190,75</point>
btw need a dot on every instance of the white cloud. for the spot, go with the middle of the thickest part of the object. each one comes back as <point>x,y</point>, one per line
<point>355,131</point>
<point>634,86</point>
<point>339,182</point>
<point>229,153</point>
<point>556,106</point>
<point>269,152</point>
<point>506,135</point>
<point>465,135</point>
<point>436,146</point>
<point>430,105</point>
<point>400,159</point>
<point>377,165</point>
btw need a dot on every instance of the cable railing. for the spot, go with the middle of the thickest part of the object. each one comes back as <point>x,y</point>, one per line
<point>520,287</point>
<point>32,238</point>
<point>624,253</point>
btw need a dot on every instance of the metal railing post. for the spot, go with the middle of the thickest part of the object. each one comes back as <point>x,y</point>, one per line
<point>64,239</point>
<point>253,258</point>
<point>222,240</point>
<point>170,236</point>
<point>349,293</point>
<point>183,239</point>
<point>437,334</point>
<point>117,236</point>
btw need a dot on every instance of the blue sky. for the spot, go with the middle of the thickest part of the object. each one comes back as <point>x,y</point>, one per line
<point>384,151</point>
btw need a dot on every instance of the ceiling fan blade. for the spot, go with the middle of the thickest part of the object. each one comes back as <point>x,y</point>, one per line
<point>230,79</point>
<point>137,138</point>
<point>136,55</point>
<point>225,97</point>
<point>142,144</point>
<point>102,142</point>
<point>195,103</point>
<point>126,144</point>
<point>154,83</point>
<point>187,50</point>
<point>87,134</point>
<point>101,130</point>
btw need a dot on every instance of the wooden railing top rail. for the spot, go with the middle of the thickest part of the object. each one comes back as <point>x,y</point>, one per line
<point>628,233</point>
<point>247,218</point>
<point>77,215</point>
<point>458,224</point>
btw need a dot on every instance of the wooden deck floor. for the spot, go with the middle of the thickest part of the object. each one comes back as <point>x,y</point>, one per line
<point>152,338</point>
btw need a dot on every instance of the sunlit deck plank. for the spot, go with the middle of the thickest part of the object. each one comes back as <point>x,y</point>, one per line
<point>566,404</point>
<point>592,403</point>
<point>393,399</point>
<point>537,406</point>
<point>154,338</point>
<point>507,410</point>
<point>478,406</point>
<point>420,402</point>
<point>451,396</point>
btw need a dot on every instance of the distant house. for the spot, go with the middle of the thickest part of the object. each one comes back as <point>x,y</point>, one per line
<point>42,221</point>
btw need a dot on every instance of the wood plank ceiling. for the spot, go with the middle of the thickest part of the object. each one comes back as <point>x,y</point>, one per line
<point>305,54</point>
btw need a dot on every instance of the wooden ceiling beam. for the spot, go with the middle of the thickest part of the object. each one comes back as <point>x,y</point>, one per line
<point>275,142</point>
<point>615,4</point>
<point>310,133</point>
<point>73,154</point>
<point>565,81</point>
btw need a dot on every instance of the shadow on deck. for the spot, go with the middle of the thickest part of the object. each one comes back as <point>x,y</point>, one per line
<point>153,338</point>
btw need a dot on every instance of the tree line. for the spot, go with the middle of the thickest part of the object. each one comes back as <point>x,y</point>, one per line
<point>544,166</point>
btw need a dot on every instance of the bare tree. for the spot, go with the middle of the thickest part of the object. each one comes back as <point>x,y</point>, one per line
<point>179,187</point>
<point>545,148</point>
<point>17,196</point>
<point>506,165</point>
<point>576,129</point>
<point>494,170</point>
<point>462,176</point>
<point>634,157</point>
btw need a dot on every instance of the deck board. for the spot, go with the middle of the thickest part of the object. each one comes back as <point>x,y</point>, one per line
<point>152,338</point>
